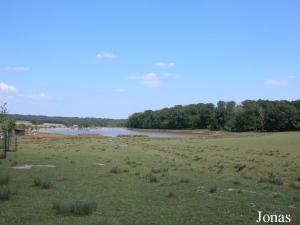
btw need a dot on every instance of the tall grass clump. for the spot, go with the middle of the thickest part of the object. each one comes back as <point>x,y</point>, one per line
<point>273,179</point>
<point>152,178</point>
<point>4,179</point>
<point>42,183</point>
<point>75,207</point>
<point>5,193</point>
<point>115,169</point>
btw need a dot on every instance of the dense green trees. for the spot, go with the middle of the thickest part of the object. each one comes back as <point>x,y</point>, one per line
<point>69,121</point>
<point>5,122</point>
<point>261,115</point>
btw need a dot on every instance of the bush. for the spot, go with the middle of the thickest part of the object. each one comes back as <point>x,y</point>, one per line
<point>75,207</point>
<point>115,169</point>
<point>152,178</point>
<point>271,179</point>
<point>43,183</point>
<point>170,195</point>
<point>4,179</point>
<point>184,180</point>
<point>212,190</point>
<point>5,193</point>
<point>295,185</point>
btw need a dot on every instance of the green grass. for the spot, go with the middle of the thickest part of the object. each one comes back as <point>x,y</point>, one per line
<point>209,180</point>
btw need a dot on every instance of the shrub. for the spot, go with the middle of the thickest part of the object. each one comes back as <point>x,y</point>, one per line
<point>212,190</point>
<point>155,170</point>
<point>171,195</point>
<point>4,179</point>
<point>271,179</point>
<point>75,207</point>
<point>296,198</point>
<point>43,183</point>
<point>184,180</point>
<point>115,169</point>
<point>152,178</point>
<point>236,182</point>
<point>63,207</point>
<point>276,195</point>
<point>295,185</point>
<point>5,193</point>
<point>85,207</point>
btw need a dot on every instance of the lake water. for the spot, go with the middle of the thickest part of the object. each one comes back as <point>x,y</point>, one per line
<point>113,132</point>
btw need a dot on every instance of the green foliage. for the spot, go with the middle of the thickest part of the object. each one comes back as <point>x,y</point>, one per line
<point>43,183</point>
<point>5,193</point>
<point>115,169</point>
<point>75,207</point>
<point>4,179</point>
<point>261,115</point>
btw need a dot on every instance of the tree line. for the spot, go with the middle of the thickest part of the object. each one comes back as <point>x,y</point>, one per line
<point>70,121</point>
<point>250,115</point>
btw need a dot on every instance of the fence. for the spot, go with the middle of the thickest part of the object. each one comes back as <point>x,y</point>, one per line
<point>8,143</point>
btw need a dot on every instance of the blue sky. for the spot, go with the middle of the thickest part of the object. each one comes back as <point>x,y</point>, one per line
<point>113,58</point>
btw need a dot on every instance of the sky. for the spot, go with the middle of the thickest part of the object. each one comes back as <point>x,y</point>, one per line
<point>113,58</point>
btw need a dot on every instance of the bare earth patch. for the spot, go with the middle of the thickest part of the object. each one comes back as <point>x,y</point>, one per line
<point>29,167</point>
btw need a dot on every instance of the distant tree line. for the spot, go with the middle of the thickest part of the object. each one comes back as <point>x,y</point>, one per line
<point>70,121</point>
<point>261,115</point>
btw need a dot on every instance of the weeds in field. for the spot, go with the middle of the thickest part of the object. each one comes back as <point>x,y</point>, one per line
<point>212,190</point>
<point>115,170</point>
<point>5,193</point>
<point>236,182</point>
<point>4,179</point>
<point>170,195</point>
<point>273,179</point>
<point>75,207</point>
<point>276,195</point>
<point>184,180</point>
<point>43,183</point>
<point>152,178</point>
<point>296,198</point>
<point>103,221</point>
<point>295,185</point>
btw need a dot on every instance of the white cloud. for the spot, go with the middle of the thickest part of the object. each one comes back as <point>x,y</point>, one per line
<point>16,69</point>
<point>7,88</point>
<point>277,82</point>
<point>165,64</point>
<point>42,95</point>
<point>106,55</point>
<point>149,79</point>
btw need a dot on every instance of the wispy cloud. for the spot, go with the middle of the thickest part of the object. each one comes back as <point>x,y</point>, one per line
<point>149,79</point>
<point>276,82</point>
<point>106,55</point>
<point>165,64</point>
<point>42,95</point>
<point>7,88</point>
<point>5,98</point>
<point>16,69</point>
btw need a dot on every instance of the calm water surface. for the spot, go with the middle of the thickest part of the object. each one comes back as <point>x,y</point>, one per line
<point>113,132</point>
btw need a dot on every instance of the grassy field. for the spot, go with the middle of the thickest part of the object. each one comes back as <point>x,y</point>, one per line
<point>207,180</point>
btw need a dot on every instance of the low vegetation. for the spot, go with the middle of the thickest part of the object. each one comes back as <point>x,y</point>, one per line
<point>152,181</point>
<point>43,183</point>
<point>75,207</point>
